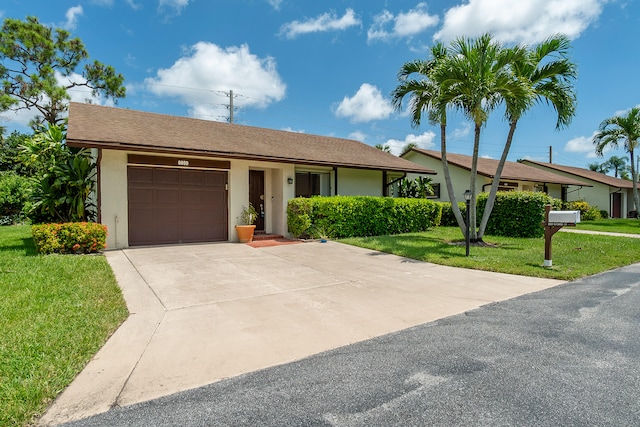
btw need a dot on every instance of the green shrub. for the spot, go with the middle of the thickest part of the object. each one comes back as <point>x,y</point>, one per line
<point>70,237</point>
<point>356,216</point>
<point>587,212</point>
<point>448,219</point>
<point>15,190</point>
<point>298,220</point>
<point>516,213</point>
<point>604,214</point>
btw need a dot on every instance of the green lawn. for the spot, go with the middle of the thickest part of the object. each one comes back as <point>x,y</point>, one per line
<point>574,255</point>
<point>56,311</point>
<point>617,225</point>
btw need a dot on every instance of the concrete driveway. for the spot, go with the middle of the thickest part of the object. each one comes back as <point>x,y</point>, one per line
<point>201,313</point>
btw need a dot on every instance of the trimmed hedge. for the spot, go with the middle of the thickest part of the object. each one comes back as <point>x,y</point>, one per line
<point>357,216</point>
<point>15,191</point>
<point>69,238</point>
<point>516,213</point>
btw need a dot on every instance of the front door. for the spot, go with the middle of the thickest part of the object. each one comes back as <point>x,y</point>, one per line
<point>616,209</point>
<point>256,196</point>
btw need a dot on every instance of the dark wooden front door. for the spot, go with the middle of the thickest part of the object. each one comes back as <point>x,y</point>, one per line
<point>616,208</point>
<point>256,196</point>
<point>168,205</point>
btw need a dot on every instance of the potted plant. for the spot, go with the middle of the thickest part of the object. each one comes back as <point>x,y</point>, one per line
<point>246,223</point>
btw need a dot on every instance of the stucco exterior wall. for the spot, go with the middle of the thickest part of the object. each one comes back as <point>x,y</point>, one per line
<point>459,176</point>
<point>357,182</point>
<point>113,197</point>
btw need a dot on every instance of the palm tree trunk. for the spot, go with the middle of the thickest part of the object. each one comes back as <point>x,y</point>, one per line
<point>634,179</point>
<point>473,230</point>
<point>496,181</point>
<point>447,179</point>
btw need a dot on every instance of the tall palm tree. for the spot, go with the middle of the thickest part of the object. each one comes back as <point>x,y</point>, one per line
<point>618,164</point>
<point>476,80</point>
<point>547,75</point>
<point>626,130</point>
<point>419,80</point>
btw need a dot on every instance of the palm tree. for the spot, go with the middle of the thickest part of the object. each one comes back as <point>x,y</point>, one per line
<point>476,80</point>
<point>618,164</point>
<point>425,97</point>
<point>626,130</point>
<point>547,75</point>
<point>382,147</point>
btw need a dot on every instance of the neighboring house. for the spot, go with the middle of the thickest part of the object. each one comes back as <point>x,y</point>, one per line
<point>608,193</point>
<point>515,176</point>
<point>165,179</point>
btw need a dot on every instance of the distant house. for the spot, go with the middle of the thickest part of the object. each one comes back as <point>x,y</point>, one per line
<point>608,193</point>
<point>515,176</point>
<point>165,179</point>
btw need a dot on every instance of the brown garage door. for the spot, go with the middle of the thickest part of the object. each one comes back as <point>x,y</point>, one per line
<point>176,205</point>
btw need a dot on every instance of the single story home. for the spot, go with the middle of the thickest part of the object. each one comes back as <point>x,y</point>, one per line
<point>608,193</point>
<point>515,176</point>
<point>164,179</point>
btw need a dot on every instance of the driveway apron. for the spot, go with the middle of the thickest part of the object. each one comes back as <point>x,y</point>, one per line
<point>202,313</point>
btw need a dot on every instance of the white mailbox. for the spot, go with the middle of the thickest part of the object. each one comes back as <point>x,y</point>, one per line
<point>564,217</point>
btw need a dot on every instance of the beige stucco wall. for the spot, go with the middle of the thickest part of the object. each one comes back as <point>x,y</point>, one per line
<point>358,182</point>
<point>113,190</point>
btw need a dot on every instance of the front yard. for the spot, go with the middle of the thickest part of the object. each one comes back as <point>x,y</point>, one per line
<point>574,255</point>
<point>56,311</point>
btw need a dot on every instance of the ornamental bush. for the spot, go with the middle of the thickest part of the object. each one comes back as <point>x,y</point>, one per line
<point>356,216</point>
<point>587,212</point>
<point>15,191</point>
<point>516,213</point>
<point>69,238</point>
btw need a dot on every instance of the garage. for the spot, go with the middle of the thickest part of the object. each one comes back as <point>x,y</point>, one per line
<point>176,204</point>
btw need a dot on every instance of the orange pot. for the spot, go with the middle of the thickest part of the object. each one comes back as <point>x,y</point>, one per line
<point>245,232</point>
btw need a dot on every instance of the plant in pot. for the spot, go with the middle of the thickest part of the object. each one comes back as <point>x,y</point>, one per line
<point>246,223</point>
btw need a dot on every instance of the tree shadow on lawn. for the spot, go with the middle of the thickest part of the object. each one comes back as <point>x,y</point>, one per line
<point>418,246</point>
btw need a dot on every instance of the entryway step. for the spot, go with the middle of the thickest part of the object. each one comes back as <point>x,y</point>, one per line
<point>265,236</point>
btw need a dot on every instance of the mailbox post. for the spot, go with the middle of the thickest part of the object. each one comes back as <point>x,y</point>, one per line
<point>554,221</point>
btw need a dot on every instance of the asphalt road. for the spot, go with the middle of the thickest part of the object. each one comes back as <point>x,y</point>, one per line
<point>567,356</point>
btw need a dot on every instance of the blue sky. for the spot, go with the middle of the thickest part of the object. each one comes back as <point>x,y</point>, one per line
<point>328,67</point>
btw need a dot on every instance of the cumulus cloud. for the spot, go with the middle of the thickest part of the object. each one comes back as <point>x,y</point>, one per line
<point>366,105</point>
<point>582,144</point>
<point>72,15</point>
<point>176,6</point>
<point>421,141</point>
<point>530,21</point>
<point>387,26</point>
<point>358,136</point>
<point>322,23</point>
<point>275,4</point>
<point>200,78</point>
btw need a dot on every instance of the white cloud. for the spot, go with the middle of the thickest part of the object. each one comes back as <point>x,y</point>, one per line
<point>322,23</point>
<point>421,141</point>
<point>175,5</point>
<point>528,21</point>
<point>358,136</point>
<point>289,129</point>
<point>405,24</point>
<point>366,105</point>
<point>72,17</point>
<point>463,131</point>
<point>200,77</point>
<point>582,144</point>
<point>275,4</point>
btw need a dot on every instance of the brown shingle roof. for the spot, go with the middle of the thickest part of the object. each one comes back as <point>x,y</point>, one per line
<point>512,170</point>
<point>121,129</point>
<point>587,174</point>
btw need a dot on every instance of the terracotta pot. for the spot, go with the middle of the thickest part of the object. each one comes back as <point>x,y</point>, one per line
<point>245,232</point>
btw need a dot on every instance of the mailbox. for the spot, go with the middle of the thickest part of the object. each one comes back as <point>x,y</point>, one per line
<point>563,217</point>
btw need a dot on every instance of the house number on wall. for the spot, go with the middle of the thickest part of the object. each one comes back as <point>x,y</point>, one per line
<point>183,162</point>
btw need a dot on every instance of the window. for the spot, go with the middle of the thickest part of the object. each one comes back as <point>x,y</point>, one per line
<point>307,184</point>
